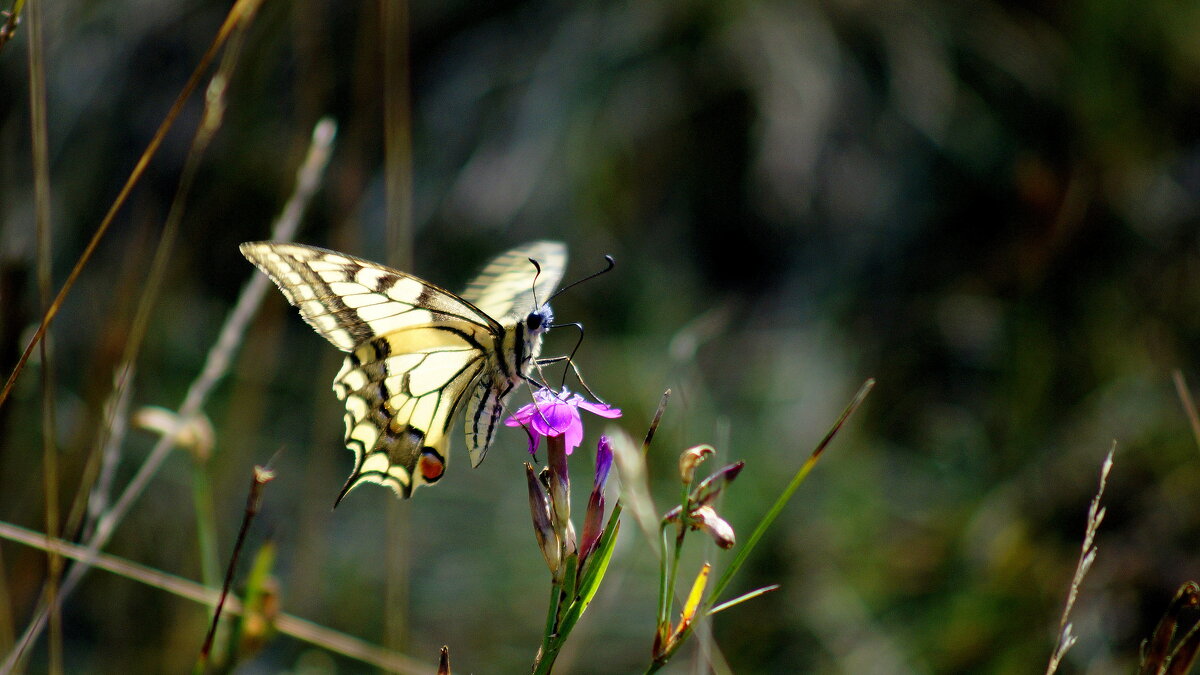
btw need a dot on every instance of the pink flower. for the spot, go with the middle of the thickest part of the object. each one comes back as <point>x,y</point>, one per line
<point>557,414</point>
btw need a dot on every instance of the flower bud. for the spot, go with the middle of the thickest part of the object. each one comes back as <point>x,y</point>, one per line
<point>706,518</point>
<point>570,547</point>
<point>690,459</point>
<point>710,488</point>
<point>604,460</point>
<point>539,507</point>
<point>593,520</point>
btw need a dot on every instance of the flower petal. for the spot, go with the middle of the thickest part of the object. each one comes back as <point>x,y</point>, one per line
<point>555,418</point>
<point>574,435</point>
<point>522,416</point>
<point>601,409</point>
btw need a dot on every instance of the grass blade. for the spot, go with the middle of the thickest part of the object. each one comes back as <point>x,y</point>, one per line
<point>786,495</point>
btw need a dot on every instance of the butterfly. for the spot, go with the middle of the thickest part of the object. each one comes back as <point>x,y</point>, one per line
<point>418,354</point>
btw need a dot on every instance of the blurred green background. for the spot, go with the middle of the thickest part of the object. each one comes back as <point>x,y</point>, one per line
<point>989,207</point>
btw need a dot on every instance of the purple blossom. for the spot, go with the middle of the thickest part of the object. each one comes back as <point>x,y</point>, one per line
<point>557,414</point>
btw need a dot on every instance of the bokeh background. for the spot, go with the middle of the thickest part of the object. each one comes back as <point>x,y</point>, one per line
<point>989,207</point>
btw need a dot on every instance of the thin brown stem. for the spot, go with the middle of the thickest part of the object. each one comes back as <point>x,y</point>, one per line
<point>261,477</point>
<point>39,137</point>
<point>397,169</point>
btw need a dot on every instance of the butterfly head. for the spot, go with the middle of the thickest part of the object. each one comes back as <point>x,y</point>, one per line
<point>539,320</point>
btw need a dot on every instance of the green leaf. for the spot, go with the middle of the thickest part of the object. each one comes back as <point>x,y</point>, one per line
<point>801,473</point>
<point>570,571</point>
<point>591,579</point>
<point>742,598</point>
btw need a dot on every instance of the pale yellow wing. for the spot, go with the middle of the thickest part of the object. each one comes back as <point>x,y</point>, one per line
<point>417,352</point>
<point>505,288</point>
<point>349,300</point>
<point>402,392</point>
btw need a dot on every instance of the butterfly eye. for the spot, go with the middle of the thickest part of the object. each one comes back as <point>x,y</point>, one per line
<point>533,321</point>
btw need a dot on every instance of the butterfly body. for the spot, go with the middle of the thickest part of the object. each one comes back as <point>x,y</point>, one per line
<point>417,355</point>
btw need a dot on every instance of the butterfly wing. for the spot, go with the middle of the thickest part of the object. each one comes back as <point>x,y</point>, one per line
<point>506,289</point>
<point>349,300</point>
<point>402,391</point>
<point>416,353</point>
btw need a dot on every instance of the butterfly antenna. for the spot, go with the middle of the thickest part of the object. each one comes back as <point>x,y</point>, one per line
<point>537,273</point>
<point>533,290</point>
<point>611,264</point>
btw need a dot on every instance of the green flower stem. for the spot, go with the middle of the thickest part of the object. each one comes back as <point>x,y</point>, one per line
<point>561,620</point>
<point>551,616</point>
<point>668,589</point>
<point>665,584</point>
<point>206,530</point>
<point>206,539</point>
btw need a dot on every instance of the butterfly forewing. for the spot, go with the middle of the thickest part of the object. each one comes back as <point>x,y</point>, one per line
<point>417,353</point>
<point>349,300</point>
<point>505,286</point>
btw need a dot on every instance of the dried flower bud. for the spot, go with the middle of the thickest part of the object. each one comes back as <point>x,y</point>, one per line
<point>706,518</point>
<point>710,488</point>
<point>194,434</point>
<point>690,459</point>
<point>539,508</point>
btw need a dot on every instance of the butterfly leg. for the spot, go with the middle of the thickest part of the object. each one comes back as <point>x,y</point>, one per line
<point>578,374</point>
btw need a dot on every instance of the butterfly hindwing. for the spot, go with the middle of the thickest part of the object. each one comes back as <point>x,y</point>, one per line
<point>417,354</point>
<point>507,289</point>
<point>484,412</point>
<point>401,397</point>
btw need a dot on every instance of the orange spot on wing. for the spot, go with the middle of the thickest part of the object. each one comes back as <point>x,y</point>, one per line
<point>431,467</point>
